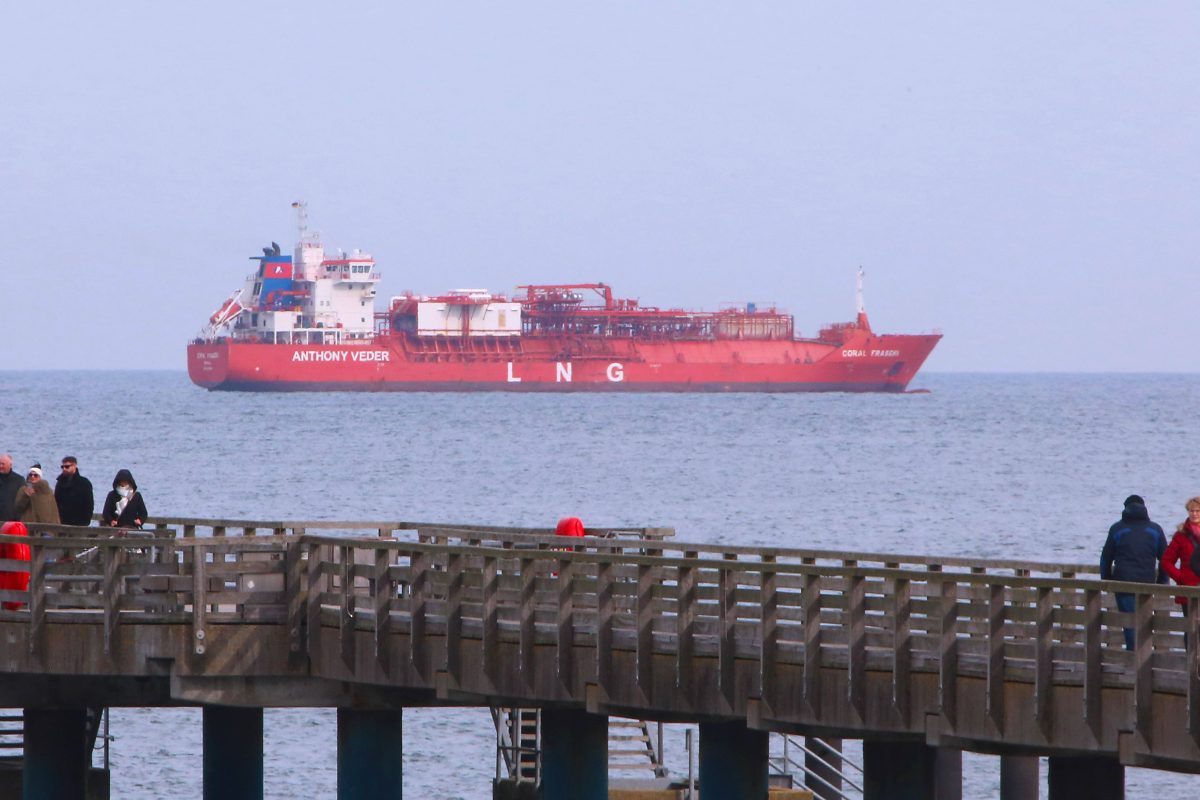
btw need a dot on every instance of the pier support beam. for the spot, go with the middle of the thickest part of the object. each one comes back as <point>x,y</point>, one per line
<point>233,753</point>
<point>1093,777</point>
<point>733,762</point>
<point>910,771</point>
<point>829,772</point>
<point>56,754</point>
<point>1019,779</point>
<point>574,755</point>
<point>370,754</point>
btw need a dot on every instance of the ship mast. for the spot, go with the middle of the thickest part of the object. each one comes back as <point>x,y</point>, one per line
<point>862,309</point>
<point>301,207</point>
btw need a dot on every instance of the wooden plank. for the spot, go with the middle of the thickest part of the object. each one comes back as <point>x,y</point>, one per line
<point>1043,660</point>
<point>454,617</point>
<point>948,651</point>
<point>1092,677</point>
<point>111,559</point>
<point>382,608</point>
<point>995,655</point>
<point>1192,615</point>
<point>647,582</point>
<point>346,607</point>
<point>685,626</point>
<point>769,636</point>
<point>855,626</point>
<point>901,648</point>
<point>604,625</point>
<point>490,619</point>
<point>314,587</point>
<point>528,618</point>
<point>1143,654</point>
<point>199,599</point>
<point>565,644</point>
<point>726,648</point>
<point>418,611</point>
<point>810,600</point>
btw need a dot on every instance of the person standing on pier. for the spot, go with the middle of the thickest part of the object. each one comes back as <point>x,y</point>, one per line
<point>35,500</point>
<point>74,495</point>
<point>1133,552</point>
<point>1177,560</point>
<point>123,508</point>
<point>10,483</point>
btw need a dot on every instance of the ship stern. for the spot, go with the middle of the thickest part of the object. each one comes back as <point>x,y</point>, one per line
<point>208,363</point>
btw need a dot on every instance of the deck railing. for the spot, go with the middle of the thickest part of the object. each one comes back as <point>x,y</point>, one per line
<point>1005,621</point>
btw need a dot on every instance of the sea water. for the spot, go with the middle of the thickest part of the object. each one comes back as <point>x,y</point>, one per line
<point>1002,466</point>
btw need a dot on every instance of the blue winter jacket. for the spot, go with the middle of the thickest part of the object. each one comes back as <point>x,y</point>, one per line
<point>1134,548</point>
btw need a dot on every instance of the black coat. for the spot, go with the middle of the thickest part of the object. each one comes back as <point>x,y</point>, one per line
<point>10,484</point>
<point>134,509</point>
<point>75,499</point>
<point>1134,548</point>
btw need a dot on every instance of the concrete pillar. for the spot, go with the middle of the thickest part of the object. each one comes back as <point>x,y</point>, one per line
<point>233,753</point>
<point>574,755</point>
<point>830,774</point>
<point>56,754</point>
<point>1019,779</point>
<point>733,762</point>
<point>1093,777</point>
<point>900,770</point>
<point>370,754</point>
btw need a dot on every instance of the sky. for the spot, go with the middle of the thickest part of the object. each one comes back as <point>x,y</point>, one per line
<point>1023,177</point>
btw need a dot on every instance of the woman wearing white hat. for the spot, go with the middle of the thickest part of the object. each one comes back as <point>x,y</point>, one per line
<point>35,500</point>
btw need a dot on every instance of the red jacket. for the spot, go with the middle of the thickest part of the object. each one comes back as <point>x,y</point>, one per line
<point>14,552</point>
<point>1179,552</point>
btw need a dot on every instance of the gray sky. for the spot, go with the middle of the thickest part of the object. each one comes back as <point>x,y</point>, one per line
<point>1023,176</point>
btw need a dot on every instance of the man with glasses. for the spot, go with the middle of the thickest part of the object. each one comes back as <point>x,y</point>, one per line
<point>73,493</point>
<point>10,483</point>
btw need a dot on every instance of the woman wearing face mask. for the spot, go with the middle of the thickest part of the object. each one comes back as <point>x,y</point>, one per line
<point>123,508</point>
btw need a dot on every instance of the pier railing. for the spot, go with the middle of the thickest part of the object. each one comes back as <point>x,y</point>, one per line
<point>649,625</point>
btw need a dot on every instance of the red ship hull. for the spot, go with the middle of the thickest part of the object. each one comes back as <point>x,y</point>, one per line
<point>863,362</point>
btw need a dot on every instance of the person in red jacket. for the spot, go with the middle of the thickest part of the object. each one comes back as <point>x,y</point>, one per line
<point>1177,558</point>
<point>12,551</point>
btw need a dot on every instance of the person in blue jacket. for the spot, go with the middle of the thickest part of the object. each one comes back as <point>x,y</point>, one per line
<point>1133,552</point>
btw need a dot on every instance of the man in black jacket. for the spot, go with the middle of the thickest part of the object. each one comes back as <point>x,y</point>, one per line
<point>10,484</point>
<point>73,493</point>
<point>1133,552</point>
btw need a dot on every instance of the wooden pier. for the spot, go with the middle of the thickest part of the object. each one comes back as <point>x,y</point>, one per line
<point>920,657</point>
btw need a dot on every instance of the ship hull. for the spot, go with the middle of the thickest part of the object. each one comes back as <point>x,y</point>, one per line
<point>864,363</point>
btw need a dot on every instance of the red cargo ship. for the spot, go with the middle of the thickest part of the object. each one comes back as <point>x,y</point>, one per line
<point>309,323</point>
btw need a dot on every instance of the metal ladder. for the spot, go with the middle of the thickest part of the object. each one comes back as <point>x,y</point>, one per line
<point>631,746</point>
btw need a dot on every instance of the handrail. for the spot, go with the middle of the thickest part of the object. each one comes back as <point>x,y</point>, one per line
<point>635,595</point>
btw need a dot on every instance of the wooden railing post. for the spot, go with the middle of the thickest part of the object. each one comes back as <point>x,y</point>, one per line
<point>296,598</point>
<point>1093,683</point>
<point>726,646</point>
<point>566,625</point>
<point>995,655</point>
<point>1191,630</point>
<point>856,645</point>
<point>810,603</point>
<point>490,617</point>
<point>604,623</point>
<point>1143,660</point>
<point>382,608</point>
<point>769,632</point>
<point>528,619</point>
<point>199,597</point>
<point>901,648</point>
<point>111,558</point>
<point>1043,659</point>
<point>37,598</point>
<point>948,649</point>
<point>647,580</point>
<point>454,617</point>
<point>418,612</point>
<point>685,624</point>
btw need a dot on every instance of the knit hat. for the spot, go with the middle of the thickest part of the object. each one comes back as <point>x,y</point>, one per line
<point>36,469</point>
